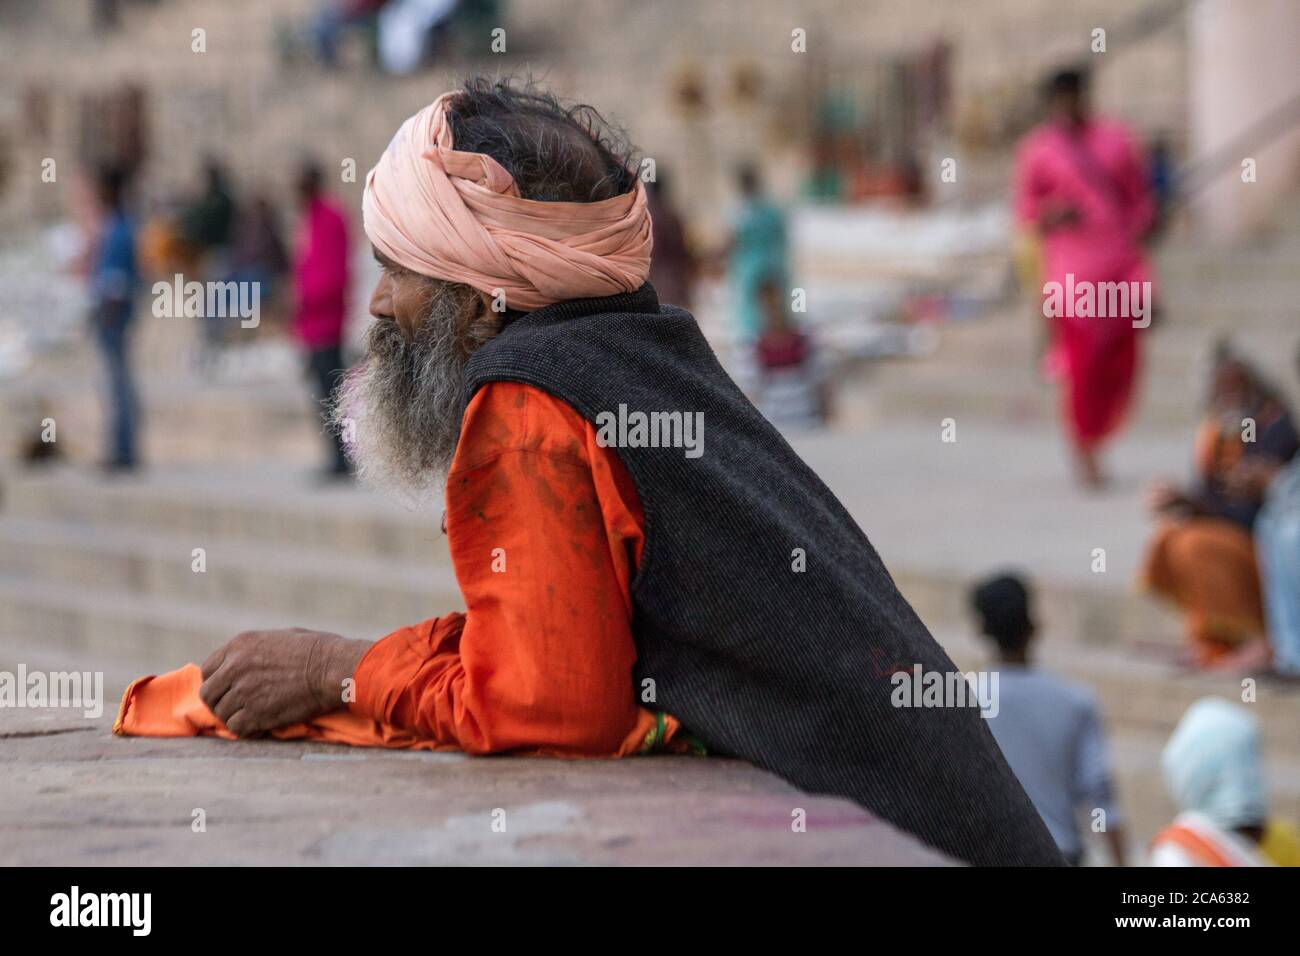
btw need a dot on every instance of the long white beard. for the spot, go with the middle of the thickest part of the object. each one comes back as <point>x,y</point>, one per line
<point>400,410</point>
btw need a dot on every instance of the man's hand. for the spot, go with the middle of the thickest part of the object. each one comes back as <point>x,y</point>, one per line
<point>261,680</point>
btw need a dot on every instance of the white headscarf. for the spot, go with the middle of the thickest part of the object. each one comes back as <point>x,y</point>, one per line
<point>1212,764</point>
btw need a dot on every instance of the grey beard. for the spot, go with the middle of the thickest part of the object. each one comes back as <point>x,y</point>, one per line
<point>400,410</point>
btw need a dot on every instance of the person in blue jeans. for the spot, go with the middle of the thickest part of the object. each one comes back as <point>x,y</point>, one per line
<point>114,283</point>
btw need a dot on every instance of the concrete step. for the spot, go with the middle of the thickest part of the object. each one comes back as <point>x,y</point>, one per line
<point>1109,616</point>
<point>992,371</point>
<point>1254,296</point>
<point>1197,266</point>
<point>60,626</point>
<point>73,794</point>
<point>369,596</point>
<point>39,653</point>
<point>1175,356</point>
<point>991,398</point>
<point>272,542</point>
<point>1140,689</point>
<point>253,576</point>
<point>101,627</point>
<point>268,505</point>
<point>182,419</point>
<point>1170,350</point>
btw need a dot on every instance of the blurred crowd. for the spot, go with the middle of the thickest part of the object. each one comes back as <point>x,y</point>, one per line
<point>397,36</point>
<point>214,236</point>
<point>1051,732</point>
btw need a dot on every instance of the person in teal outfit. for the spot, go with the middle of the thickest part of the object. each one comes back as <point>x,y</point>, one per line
<point>758,253</point>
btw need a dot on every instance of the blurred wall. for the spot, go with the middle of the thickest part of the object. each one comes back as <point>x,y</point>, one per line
<point>629,57</point>
<point>1242,66</point>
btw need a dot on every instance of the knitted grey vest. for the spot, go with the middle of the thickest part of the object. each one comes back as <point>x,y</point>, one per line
<point>785,664</point>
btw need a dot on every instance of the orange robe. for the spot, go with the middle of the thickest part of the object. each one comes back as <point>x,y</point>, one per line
<point>1207,565</point>
<point>546,532</point>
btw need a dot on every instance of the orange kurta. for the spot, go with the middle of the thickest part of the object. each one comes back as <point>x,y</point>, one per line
<point>546,531</point>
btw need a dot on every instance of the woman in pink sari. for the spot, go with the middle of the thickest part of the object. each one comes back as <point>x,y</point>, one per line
<point>1080,184</point>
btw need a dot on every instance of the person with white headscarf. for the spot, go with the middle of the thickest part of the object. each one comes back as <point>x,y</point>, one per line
<point>1213,772</point>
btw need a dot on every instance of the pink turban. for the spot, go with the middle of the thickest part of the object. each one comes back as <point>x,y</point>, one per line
<point>458,216</point>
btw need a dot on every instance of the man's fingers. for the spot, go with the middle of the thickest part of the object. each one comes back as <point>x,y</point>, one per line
<point>214,688</point>
<point>231,703</point>
<point>246,724</point>
<point>240,724</point>
<point>213,663</point>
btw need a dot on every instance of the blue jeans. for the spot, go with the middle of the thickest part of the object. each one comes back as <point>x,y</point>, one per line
<point>1277,542</point>
<point>112,327</point>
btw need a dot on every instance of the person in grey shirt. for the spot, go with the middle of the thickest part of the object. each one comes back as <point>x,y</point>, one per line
<point>1049,729</point>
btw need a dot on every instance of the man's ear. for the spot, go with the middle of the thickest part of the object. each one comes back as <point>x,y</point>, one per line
<point>483,322</point>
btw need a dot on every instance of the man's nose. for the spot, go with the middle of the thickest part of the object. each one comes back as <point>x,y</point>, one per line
<point>381,300</point>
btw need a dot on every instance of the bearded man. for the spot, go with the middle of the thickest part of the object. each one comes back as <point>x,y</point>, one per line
<point>618,599</point>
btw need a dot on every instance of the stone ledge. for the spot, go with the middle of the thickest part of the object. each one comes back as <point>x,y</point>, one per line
<point>73,794</point>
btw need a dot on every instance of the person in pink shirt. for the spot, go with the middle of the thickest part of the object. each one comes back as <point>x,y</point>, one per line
<point>1081,187</point>
<point>321,284</point>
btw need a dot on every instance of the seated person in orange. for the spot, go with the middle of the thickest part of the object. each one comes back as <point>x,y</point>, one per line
<point>640,552</point>
<point>1202,557</point>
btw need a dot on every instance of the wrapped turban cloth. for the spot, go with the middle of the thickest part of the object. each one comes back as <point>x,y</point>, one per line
<point>1212,764</point>
<point>458,216</point>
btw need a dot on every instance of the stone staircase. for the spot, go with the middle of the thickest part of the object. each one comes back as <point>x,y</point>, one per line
<point>106,570</point>
<point>100,575</point>
<point>988,369</point>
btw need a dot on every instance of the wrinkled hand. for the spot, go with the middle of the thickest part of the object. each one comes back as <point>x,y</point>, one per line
<point>261,680</point>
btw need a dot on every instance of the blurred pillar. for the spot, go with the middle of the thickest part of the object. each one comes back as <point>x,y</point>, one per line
<point>1243,56</point>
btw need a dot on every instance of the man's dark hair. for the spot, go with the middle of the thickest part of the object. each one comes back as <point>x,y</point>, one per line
<point>1068,82</point>
<point>556,153</point>
<point>1002,603</point>
<point>110,185</point>
<point>748,180</point>
<point>310,178</point>
<point>214,173</point>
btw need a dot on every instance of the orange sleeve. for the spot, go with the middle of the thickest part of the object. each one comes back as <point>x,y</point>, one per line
<point>397,675</point>
<point>545,531</point>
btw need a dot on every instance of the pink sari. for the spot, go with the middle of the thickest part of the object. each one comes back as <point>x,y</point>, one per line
<point>1098,171</point>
